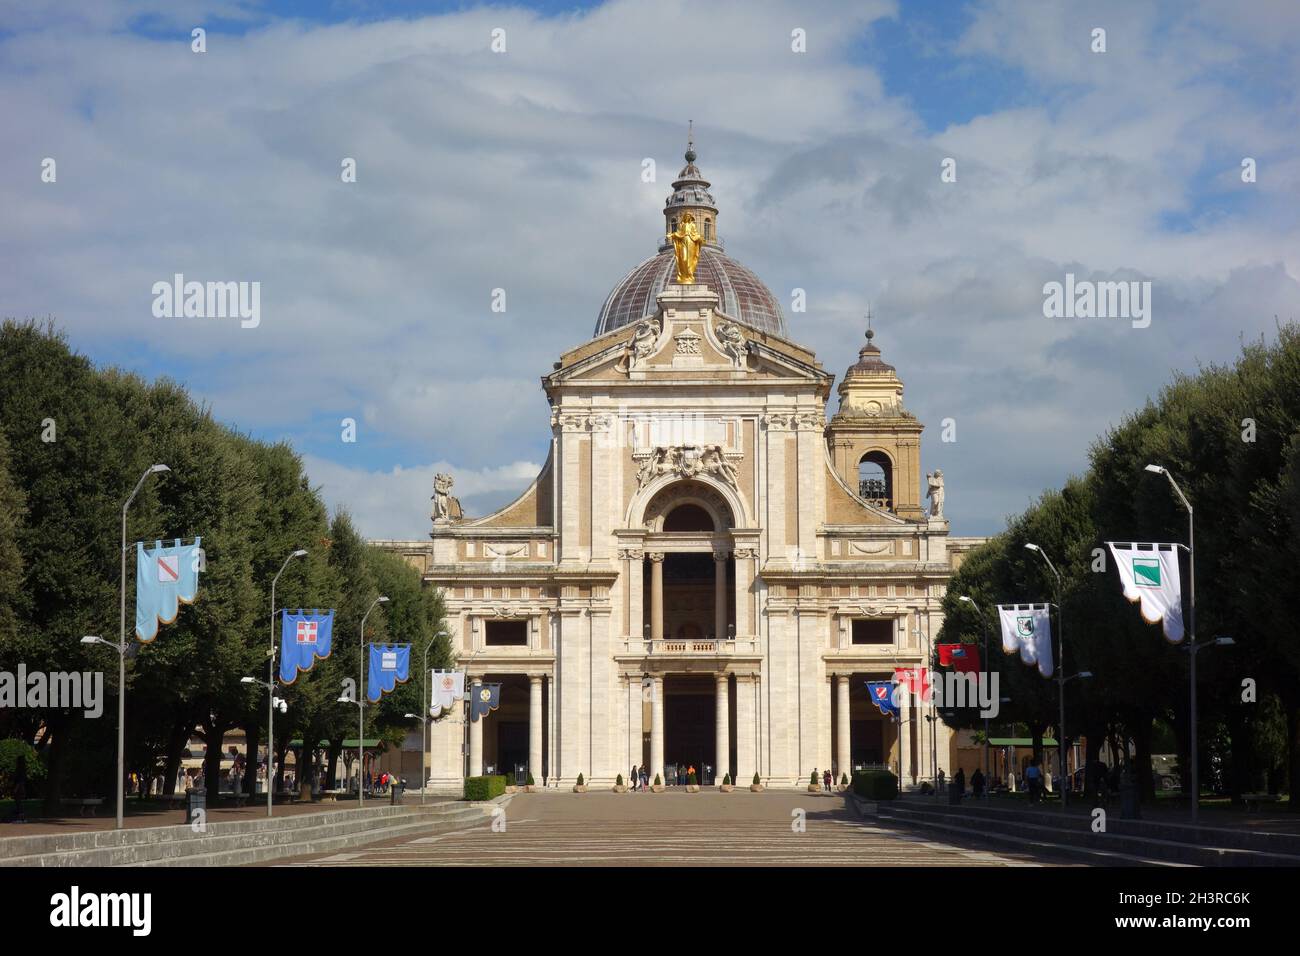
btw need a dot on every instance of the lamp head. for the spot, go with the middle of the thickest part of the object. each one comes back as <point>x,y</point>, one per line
<point>1224,641</point>
<point>412,716</point>
<point>247,680</point>
<point>154,469</point>
<point>1085,674</point>
<point>300,553</point>
<point>965,598</point>
<point>1155,469</point>
<point>92,639</point>
<point>1032,547</point>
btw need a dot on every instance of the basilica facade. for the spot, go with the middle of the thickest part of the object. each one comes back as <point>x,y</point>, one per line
<point>707,570</point>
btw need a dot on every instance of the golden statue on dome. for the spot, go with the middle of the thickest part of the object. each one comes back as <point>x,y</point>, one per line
<point>686,248</point>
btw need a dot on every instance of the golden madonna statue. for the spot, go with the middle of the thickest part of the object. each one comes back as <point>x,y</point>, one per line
<point>686,247</point>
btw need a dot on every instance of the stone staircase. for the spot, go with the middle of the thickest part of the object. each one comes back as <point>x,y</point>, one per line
<point>242,842</point>
<point>1125,842</point>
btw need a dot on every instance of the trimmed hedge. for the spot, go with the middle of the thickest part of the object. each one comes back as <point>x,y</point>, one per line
<point>484,788</point>
<point>875,784</point>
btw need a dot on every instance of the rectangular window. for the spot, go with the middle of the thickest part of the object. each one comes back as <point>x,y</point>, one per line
<point>873,631</point>
<point>507,634</point>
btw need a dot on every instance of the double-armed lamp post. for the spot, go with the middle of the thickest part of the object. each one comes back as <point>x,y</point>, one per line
<point>120,647</point>
<point>1192,647</point>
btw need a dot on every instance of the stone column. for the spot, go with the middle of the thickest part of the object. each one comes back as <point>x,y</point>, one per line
<point>905,737</point>
<point>720,595</point>
<point>657,728</point>
<point>746,739</point>
<point>843,749</point>
<point>722,724</point>
<point>656,596</point>
<point>635,594</point>
<point>635,715</point>
<point>475,734</point>
<point>744,578</point>
<point>535,729</point>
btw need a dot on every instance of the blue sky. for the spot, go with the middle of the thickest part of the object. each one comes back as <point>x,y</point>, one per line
<point>825,166</point>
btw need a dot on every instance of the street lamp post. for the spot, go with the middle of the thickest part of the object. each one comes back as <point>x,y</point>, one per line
<point>1060,671</point>
<point>361,707</point>
<point>284,708</point>
<point>971,602</point>
<point>932,717</point>
<point>1191,635</point>
<point>270,678</point>
<point>121,652</point>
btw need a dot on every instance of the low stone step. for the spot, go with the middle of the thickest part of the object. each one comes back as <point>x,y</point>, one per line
<point>265,838</point>
<point>1064,829</point>
<point>1199,835</point>
<point>246,856</point>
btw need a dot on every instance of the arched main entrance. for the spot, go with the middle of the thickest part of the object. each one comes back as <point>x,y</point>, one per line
<point>690,575</point>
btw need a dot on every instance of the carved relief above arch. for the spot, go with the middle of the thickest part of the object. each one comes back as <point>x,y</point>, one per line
<point>654,503</point>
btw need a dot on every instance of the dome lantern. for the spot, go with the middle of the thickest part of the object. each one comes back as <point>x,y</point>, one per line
<point>691,194</point>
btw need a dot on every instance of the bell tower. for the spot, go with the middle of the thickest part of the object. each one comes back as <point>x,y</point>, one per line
<point>875,443</point>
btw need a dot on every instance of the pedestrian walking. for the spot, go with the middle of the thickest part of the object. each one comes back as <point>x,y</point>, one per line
<point>1034,780</point>
<point>959,781</point>
<point>977,784</point>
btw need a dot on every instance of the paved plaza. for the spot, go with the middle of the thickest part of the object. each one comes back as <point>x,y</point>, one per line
<point>675,829</point>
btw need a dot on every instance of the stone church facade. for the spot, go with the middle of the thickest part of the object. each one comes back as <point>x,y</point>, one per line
<point>707,570</point>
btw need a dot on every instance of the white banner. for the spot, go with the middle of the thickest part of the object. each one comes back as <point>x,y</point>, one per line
<point>1149,573</point>
<point>445,688</point>
<point>1027,629</point>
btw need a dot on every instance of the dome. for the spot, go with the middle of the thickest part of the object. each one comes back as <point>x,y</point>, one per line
<point>742,295</point>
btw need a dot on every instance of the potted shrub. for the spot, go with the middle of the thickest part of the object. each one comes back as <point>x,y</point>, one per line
<point>757,785</point>
<point>844,782</point>
<point>581,785</point>
<point>657,786</point>
<point>726,783</point>
<point>692,786</point>
<point>618,784</point>
<point>813,785</point>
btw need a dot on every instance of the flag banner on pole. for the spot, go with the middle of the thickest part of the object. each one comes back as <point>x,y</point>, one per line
<point>445,687</point>
<point>915,679</point>
<point>390,665</point>
<point>305,638</point>
<point>1150,576</point>
<point>485,701</point>
<point>963,658</point>
<point>881,693</point>
<point>1027,628</point>
<point>165,578</point>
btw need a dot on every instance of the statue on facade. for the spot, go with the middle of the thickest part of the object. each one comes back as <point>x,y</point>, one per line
<point>686,248</point>
<point>715,463</point>
<point>934,482</point>
<point>733,343</point>
<point>641,345</point>
<point>446,507</point>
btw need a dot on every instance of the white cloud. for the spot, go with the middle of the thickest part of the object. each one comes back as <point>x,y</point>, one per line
<point>521,171</point>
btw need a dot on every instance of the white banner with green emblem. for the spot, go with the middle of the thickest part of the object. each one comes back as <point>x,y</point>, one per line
<point>1150,576</point>
<point>1027,629</point>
